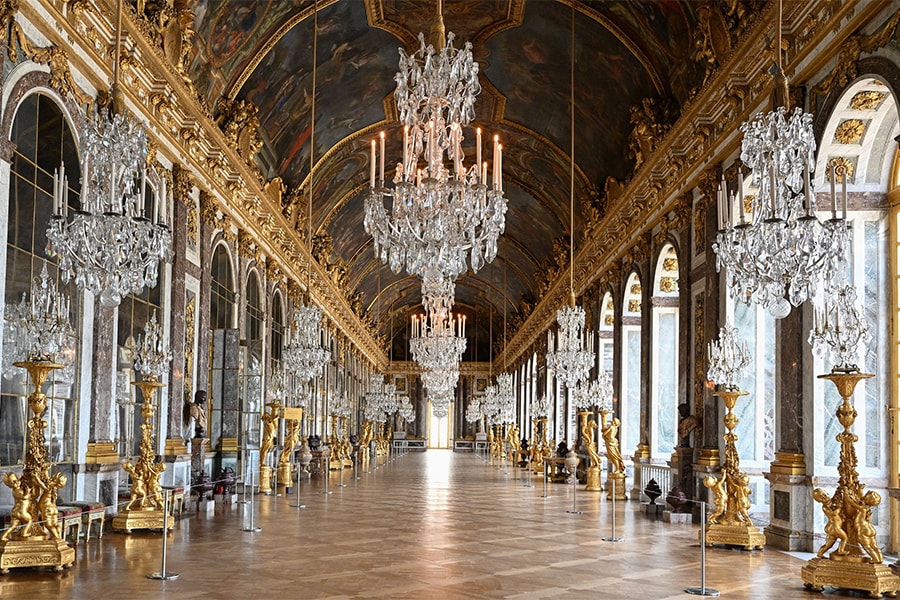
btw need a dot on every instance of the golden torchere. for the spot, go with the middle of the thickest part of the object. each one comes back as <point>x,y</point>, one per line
<point>857,562</point>
<point>267,442</point>
<point>513,444</point>
<point>33,538</point>
<point>615,479</point>
<point>729,522</point>
<point>588,426</point>
<point>145,508</point>
<point>544,450</point>
<point>365,437</point>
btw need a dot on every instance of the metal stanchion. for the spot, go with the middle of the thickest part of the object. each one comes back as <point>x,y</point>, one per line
<point>251,528</point>
<point>574,511</point>
<point>327,474</point>
<point>299,504</point>
<point>342,484</point>
<point>246,473</point>
<point>546,468</point>
<point>702,590</point>
<point>162,572</point>
<point>526,474</point>
<point>612,537</point>
<point>356,465</point>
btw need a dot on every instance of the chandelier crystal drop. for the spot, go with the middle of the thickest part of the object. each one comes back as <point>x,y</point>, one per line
<point>151,354</point>
<point>728,359</point>
<point>839,329</point>
<point>569,356</point>
<point>39,325</point>
<point>436,217</point>
<point>113,244</point>
<point>303,355</point>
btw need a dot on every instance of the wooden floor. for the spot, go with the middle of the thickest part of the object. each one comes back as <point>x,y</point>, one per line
<point>428,525</point>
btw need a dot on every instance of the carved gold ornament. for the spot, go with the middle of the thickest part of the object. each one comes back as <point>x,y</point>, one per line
<point>867,100</point>
<point>842,165</point>
<point>850,131</point>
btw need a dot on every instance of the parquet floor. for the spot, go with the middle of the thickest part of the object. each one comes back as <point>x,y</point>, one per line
<point>428,525</point>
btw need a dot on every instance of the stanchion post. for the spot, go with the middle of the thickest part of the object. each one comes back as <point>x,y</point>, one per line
<point>342,484</point>
<point>546,467</point>
<point>327,474</point>
<point>612,537</point>
<point>702,590</point>
<point>574,510</point>
<point>251,528</point>
<point>162,575</point>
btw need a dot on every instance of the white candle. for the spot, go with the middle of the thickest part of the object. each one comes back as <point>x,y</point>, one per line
<point>55,191</point>
<point>478,147</point>
<point>62,186</point>
<point>807,190</point>
<point>484,173</point>
<point>833,194</point>
<point>65,197</point>
<point>381,159</point>
<point>500,167</point>
<point>741,195</point>
<point>844,193</point>
<point>372,167</point>
<point>772,188</point>
<point>405,148</point>
<point>496,159</point>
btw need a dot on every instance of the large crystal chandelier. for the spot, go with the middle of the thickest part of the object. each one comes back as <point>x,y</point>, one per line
<point>506,398</point>
<point>437,217</point>
<point>473,411</point>
<point>777,255</point>
<point>728,359</point>
<point>571,357</point>
<point>303,355</point>
<point>540,407</point>
<point>381,400</point>
<point>594,393</point>
<point>490,405</point>
<point>113,244</point>
<point>151,354</point>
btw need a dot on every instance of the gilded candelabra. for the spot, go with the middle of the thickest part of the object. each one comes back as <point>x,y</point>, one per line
<point>857,562</point>
<point>544,449</point>
<point>588,426</point>
<point>33,538</point>
<point>729,522</point>
<point>365,437</point>
<point>615,478</point>
<point>513,443</point>
<point>145,509</point>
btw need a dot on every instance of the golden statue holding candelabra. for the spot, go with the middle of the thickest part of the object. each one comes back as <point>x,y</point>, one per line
<point>267,442</point>
<point>729,522</point>
<point>146,507</point>
<point>292,422</point>
<point>588,426</point>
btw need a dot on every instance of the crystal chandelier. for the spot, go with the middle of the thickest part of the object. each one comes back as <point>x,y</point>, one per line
<point>596,392</point>
<point>728,359</point>
<point>40,325</point>
<point>490,405</point>
<point>438,217</point>
<point>777,255</point>
<point>540,407</point>
<point>473,411</point>
<point>506,397</point>
<point>303,354</point>
<point>437,381</point>
<point>113,244</point>
<point>570,357</point>
<point>151,354</point>
<point>381,400</point>
<point>839,329</point>
<point>440,402</point>
<point>405,409</point>
<point>438,338</point>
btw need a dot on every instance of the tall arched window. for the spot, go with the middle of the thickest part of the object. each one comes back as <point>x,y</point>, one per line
<point>223,334</point>
<point>631,364</point>
<point>251,364</point>
<point>664,391</point>
<point>860,134</point>
<point>277,333</point>
<point>43,140</point>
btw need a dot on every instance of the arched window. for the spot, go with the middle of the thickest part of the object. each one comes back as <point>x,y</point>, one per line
<point>222,327</point>
<point>43,140</point>
<point>631,364</point>
<point>251,364</point>
<point>664,391</point>
<point>277,334</point>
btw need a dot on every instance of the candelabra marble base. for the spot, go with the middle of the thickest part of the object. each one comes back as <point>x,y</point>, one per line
<point>593,480</point>
<point>35,553</point>
<point>742,534</point>
<point>154,519</point>
<point>265,479</point>
<point>615,486</point>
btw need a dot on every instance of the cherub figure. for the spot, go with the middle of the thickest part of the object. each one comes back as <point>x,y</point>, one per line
<point>23,496</point>
<point>47,503</point>
<point>138,485</point>
<point>834,527</point>
<point>864,528</point>
<point>717,486</point>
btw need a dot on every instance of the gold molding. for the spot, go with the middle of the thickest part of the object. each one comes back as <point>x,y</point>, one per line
<point>788,463</point>
<point>101,453</point>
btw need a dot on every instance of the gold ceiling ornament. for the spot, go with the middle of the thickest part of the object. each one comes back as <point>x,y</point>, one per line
<point>670,264</point>
<point>239,121</point>
<point>867,100</point>
<point>850,131</point>
<point>846,69</point>
<point>635,289</point>
<point>668,284</point>
<point>839,166</point>
<point>634,306</point>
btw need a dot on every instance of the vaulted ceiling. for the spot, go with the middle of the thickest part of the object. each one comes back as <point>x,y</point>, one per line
<point>625,52</point>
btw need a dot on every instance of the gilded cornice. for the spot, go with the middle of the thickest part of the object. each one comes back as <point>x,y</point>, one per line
<point>185,132</point>
<point>708,131</point>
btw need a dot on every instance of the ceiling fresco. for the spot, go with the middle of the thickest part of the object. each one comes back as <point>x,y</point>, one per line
<point>625,52</point>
